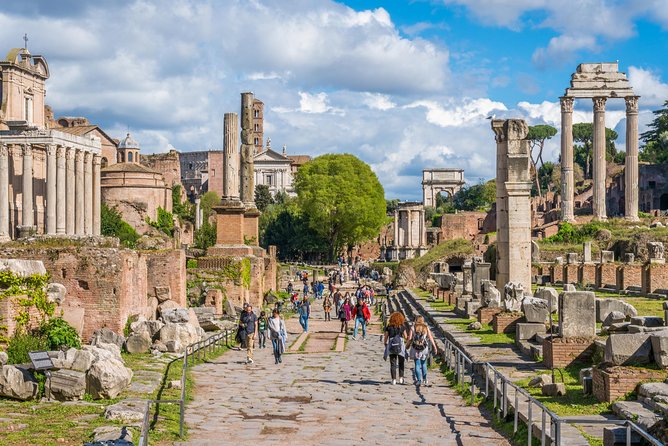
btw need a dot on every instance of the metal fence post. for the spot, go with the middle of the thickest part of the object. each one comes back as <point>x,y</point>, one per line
<point>529,421</point>
<point>516,411</point>
<point>542,428</point>
<point>628,434</point>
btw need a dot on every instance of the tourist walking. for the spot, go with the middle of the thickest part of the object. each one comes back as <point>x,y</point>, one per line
<point>248,322</point>
<point>395,345</point>
<point>421,345</point>
<point>327,306</point>
<point>345,313</point>
<point>338,300</point>
<point>262,330</point>
<point>304,313</point>
<point>278,335</point>
<point>362,316</point>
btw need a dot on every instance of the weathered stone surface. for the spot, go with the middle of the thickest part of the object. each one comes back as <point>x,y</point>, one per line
<point>513,295</point>
<point>640,329</point>
<point>535,310</point>
<point>607,256</point>
<point>174,384</point>
<point>525,331</point>
<point>167,305</point>
<point>629,257</point>
<point>655,251</point>
<point>638,413</point>
<point>163,293</point>
<point>56,293</point>
<point>175,315</point>
<point>647,321</point>
<point>107,378</point>
<point>107,336</point>
<point>571,258</point>
<point>126,411</point>
<point>82,360</point>
<point>113,433</point>
<point>18,383</point>
<point>99,354</point>
<point>3,358</point>
<point>192,318</point>
<point>23,268</point>
<point>614,317</point>
<point>660,348</point>
<point>66,385</point>
<point>618,327</point>
<point>491,297</point>
<point>138,342</point>
<point>556,389</point>
<point>569,287</point>
<point>174,346</point>
<point>474,326</point>
<point>607,306</point>
<point>549,294</point>
<point>626,349</point>
<point>184,333</point>
<point>540,380</point>
<point>150,327</point>
<point>471,307</point>
<point>577,314</point>
<point>111,348</point>
<point>650,390</point>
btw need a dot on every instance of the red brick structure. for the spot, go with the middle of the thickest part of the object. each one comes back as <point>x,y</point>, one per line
<point>611,383</point>
<point>561,352</point>
<point>629,276</point>
<point>606,275</point>
<point>655,278</point>
<point>505,322</point>
<point>571,273</point>
<point>557,274</point>
<point>486,315</point>
<point>167,268</point>
<point>587,274</point>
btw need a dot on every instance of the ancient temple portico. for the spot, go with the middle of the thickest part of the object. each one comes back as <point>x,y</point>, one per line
<point>599,82</point>
<point>410,233</point>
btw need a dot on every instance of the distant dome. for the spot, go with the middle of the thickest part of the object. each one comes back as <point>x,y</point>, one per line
<point>128,143</point>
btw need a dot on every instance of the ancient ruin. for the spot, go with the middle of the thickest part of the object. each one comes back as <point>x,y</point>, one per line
<point>435,181</point>
<point>410,237</point>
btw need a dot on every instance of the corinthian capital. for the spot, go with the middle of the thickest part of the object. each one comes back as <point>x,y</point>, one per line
<point>599,104</point>
<point>566,104</point>
<point>50,149</point>
<point>26,149</point>
<point>631,104</point>
<point>4,150</point>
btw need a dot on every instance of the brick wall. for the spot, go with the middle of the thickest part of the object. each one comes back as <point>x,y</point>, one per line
<point>612,383</point>
<point>167,268</point>
<point>587,274</point>
<point>9,310</point>
<point>560,352</point>
<point>505,322</point>
<point>629,276</point>
<point>557,274</point>
<point>486,315</point>
<point>655,278</point>
<point>571,273</point>
<point>606,275</point>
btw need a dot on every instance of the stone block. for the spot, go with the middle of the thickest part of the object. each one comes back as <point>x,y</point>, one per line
<point>628,349</point>
<point>660,348</point>
<point>184,333</point>
<point>535,310</point>
<point>584,373</point>
<point>66,385</point>
<point>163,293</point>
<point>115,434</point>
<point>474,326</point>
<point>647,321</point>
<point>107,379</point>
<point>127,411</point>
<point>75,316</point>
<point>614,317</point>
<point>56,293</point>
<point>607,306</point>
<point>577,314</point>
<point>650,390</point>
<point>107,336</point>
<point>556,389</point>
<point>472,308</point>
<point>23,268</point>
<point>138,342</point>
<point>629,257</point>
<point>549,294</point>
<point>638,413</point>
<point>607,256</point>
<point>17,383</point>
<point>618,327</point>
<point>175,316</point>
<point>3,358</point>
<point>230,311</point>
<point>540,380</point>
<point>586,252</point>
<point>569,287</point>
<point>571,258</point>
<point>527,331</point>
<point>83,360</point>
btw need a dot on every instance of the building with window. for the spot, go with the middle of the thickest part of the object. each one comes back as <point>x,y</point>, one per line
<point>274,170</point>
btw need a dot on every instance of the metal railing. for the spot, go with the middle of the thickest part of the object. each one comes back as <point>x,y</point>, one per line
<point>195,351</point>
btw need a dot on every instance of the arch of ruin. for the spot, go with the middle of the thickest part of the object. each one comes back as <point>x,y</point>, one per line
<point>599,82</point>
<point>435,181</point>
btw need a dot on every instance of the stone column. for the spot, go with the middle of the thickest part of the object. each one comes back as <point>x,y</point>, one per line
<point>197,208</point>
<point>79,193</point>
<point>70,216</point>
<point>27,219</point>
<point>396,228</point>
<point>423,229</point>
<point>631,165</point>
<point>409,230</point>
<point>97,195</point>
<point>247,177</point>
<point>231,157</point>
<point>599,163</point>
<point>4,192</point>
<point>567,181</point>
<point>51,195</point>
<point>88,193</point>
<point>61,197</point>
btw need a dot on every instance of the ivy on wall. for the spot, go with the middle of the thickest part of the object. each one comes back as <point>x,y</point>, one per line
<point>30,292</point>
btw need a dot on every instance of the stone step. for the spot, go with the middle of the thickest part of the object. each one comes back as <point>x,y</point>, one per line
<point>638,412</point>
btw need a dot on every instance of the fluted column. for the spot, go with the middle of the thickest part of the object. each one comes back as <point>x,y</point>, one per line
<point>61,197</point>
<point>97,202</point>
<point>409,219</point>
<point>27,204</point>
<point>79,194</point>
<point>567,186</point>
<point>598,157</point>
<point>396,228</point>
<point>231,156</point>
<point>70,185</point>
<point>631,165</point>
<point>4,192</point>
<point>51,198</point>
<point>88,193</point>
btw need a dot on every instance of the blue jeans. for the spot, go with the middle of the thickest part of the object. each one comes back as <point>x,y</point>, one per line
<point>276,344</point>
<point>303,320</point>
<point>358,322</point>
<point>421,369</point>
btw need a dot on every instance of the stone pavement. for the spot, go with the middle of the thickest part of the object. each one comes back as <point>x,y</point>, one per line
<point>328,398</point>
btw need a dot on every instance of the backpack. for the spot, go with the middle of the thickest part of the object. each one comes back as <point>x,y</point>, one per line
<point>396,344</point>
<point>419,341</point>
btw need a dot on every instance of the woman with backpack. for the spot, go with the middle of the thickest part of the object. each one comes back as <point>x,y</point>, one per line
<point>395,345</point>
<point>345,313</point>
<point>421,341</point>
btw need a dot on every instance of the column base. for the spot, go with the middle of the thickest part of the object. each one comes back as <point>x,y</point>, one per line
<point>633,218</point>
<point>26,231</point>
<point>5,238</point>
<point>601,218</point>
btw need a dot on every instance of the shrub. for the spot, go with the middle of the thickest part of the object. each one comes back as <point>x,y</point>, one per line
<point>191,263</point>
<point>569,233</point>
<point>59,334</point>
<point>112,225</point>
<point>164,223</point>
<point>22,343</point>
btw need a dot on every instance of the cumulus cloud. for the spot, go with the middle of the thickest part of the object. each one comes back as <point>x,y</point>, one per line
<point>467,112</point>
<point>378,101</point>
<point>647,84</point>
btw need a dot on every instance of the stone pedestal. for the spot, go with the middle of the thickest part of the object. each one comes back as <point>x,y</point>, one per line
<point>251,231</point>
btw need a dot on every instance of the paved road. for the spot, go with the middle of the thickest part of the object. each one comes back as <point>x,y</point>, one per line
<point>330,398</point>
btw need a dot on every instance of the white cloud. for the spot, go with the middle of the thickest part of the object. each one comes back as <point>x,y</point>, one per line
<point>378,101</point>
<point>648,86</point>
<point>562,49</point>
<point>466,113</point>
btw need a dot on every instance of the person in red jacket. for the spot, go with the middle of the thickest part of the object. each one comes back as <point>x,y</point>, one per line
<point>362,316</point>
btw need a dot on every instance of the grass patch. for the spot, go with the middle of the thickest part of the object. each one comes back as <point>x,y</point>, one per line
<point>487,336</point>
<point>449,248</point>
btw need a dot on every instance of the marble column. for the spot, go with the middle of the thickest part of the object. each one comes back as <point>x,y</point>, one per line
<point>70,185</point>
<point>51,194</point>
<point>247,175</point>
<point>396,228</point>
<point>409,220</point>
<point>631,165</point>
<point>4,192</point>
<point>97,191</point>
<point>27,218</point>
<point>61,197</point>
<point>79,194</point>
<point>598,157</point>
<point>88,193</point>
<point>567,180</point>
<point>231,156</point>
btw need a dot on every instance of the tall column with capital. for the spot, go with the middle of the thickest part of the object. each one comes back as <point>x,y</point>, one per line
<point>567,181</point>
<point>4,192</point>
<point>61,197</point>
<point>88,193</point>
<point>51,198</point>
<point>631,165</point>
<point>97,202</point>
<point>70,216</point>
<point>27,218</point>
<point>79,194</point>
<point>598,157</point>
<point>396,228</point>
<point>409,221</point>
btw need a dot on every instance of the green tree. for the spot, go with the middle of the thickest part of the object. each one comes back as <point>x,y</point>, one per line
<point>164,222</point>
<point>182,209</point>
<point>207,201</point>
<point>112,225</point>
<point>343,199</point>
<point>263,197</point>
<point>655,140</point>
<point>537,136</point>
<point>205,236</point>
<point>391,205</point>
<point>583,133</point>
<point>476,198</point>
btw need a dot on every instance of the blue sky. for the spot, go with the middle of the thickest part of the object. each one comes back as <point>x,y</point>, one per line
<point>404,85</point>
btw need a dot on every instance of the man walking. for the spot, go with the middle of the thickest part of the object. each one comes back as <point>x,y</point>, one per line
<point>249,323</point>
<point>304,313</point>
<point>362,315</point>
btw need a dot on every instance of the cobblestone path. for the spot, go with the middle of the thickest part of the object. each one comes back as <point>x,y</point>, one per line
<point>326,398</point>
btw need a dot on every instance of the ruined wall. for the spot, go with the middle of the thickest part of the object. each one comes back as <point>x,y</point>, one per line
<point>168,164</point>
<point>104,285</point>
<point>464,225</point>
<point>167,268</point>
